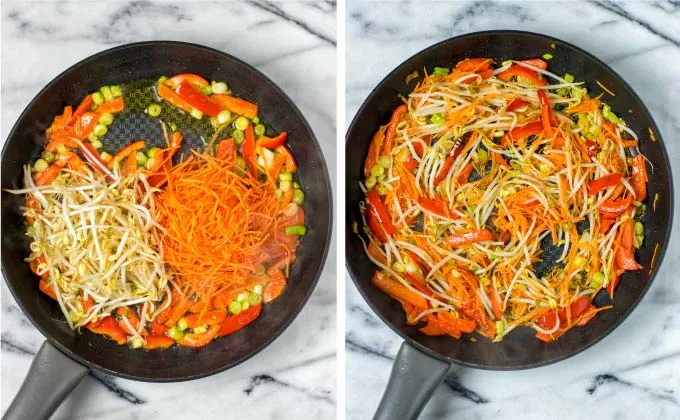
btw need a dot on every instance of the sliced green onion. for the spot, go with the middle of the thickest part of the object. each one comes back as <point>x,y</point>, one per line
<point>285,176</point>
<point>258,289</point>
<point>98,98</point>
<point>370,182</point>
<point>97,144</point>
<point>256,120</point>
<point>41,165</point>
<point>105,156</point>
<point>49,157</point>
<point>223,117</point>
<point>235,307</point>
<point>639,228</point>
<point>153,151</point>
<point>141,158</point>
<point>154,110</point>
<point>136,342</point>
<point>100,130</point>
<point>597,281</point>
<point>150,163</point>
<point>296,230</point>
<point>106,118</point>
<point>241,123</point>
<point>106,91</point>
<point>437,119</point>
<point>173,127</point>
<point>547,56</point>
<point>296,185</point>
<point>182,324</point>
<point>219,88</point>
<point>238,136</point>
<point>285,186</point>
<point>441,71</point>
<point>207,90</point>
<point>482,155</point>
<point>175,333</point>
<point>116,91</point>
<point>92,137</point>
<point>254,298</point>
<point>382,189</point>
<point>298,197</point>
<point>569,78</point>
<point>377,170</point>
<point>201,330</point>
<point>385,161</point>
<point>260,129</point>
<point>162,79</point>
<point>196,113</point>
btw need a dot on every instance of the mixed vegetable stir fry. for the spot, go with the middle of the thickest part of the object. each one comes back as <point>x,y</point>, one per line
<point>154,249</point>
<point>476,175</point>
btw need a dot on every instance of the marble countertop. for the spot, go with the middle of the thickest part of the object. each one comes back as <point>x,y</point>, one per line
<point>634,373</point>
<point>40,40</point>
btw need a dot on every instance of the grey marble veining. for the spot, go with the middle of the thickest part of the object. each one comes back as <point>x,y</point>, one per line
<point>635,372</point>
<point>293,43</point>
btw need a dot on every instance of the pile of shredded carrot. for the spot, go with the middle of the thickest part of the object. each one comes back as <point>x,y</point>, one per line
<point>220,225</point>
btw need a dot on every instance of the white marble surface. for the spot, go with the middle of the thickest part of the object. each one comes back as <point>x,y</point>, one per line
<point>293,378</point>
<point>635,372</point>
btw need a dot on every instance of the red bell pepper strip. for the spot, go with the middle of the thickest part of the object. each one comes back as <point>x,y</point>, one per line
<point>215,316</point>
<point>537,62</point>
<point>191,78</point>
<point>624,255</point>
<point>274,288</point>
<point>398,290</point>
<point>82,108</point>
<point>375,227</point>
<point>464,325</point>
<point>473,64</point>
<point>125,152</point>
<point>236,105</point>
<point>516,104</point>
<point>517,133</point>
<point>458,146</point>
<point>576,309</point>
<point>47,176</point>
<point>109,326</point>
<point>524,73</point>
<point>66,116</point>
<point>273,142</point>
<point>614,208</point>
<point>248,151</point>
<point>197,99</point>
<point>226,149</point>
<point>639,178</point>
<point>240,321</point>
<point>199,340</point>
<point>46,287</point>
<point>376,206</point>
<point>158,328</point>
<point>169,95</point>
<point>86,124</point>
<point>605,224</point>
<point>111,107</point>
<point>436,206</point>
<point>374,150</point>
<point>158,342</point>
<point>547,320</point>
<point>603,183</point>
<point>433,328</point>
<point>290,165</point>
<point>592,148</point>
<point>277,165</point>
<point>391,132</point>
<point>496,304</point>
<point>547,117</point>
<point>467,238</point>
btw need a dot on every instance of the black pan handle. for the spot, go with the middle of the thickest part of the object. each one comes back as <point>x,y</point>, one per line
<point>414,378</point>
<point>52,376</point>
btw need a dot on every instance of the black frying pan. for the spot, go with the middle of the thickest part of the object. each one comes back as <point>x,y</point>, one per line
<point>423,361</point>
<point>66,356</point>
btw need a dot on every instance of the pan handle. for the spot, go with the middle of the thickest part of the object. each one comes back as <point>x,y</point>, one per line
<point>414,378</point>
<point>51,377</point>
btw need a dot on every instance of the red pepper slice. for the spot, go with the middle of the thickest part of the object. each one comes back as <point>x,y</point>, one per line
<point>463,325</point>
<point>158,328</point>
<point>524,73</point>
<point>274,288</point>
<point>397,290</point>
<point>125,152</point>
<point>236,105</point>
<point>226,149</point>
<point>113,106</point>
<point>436,205</point>
<point>86,124</point>
<point>614,208</point>
<point>547,320</point>
<point>277,165</point>
<point>603,183</point>
<point>547,117</point>
<point>291,165</point>
<point>215,316</point>
<point>169,95</point>
<point>199,340</point>
<point>46,287</point>
<point>237,322</point>
<point>248,151</point>
<point>467,238</point>
<point>391,132</point>
<point>624,255</point>
<point>273,142</point>
<point>191,78</point>
<point>197,99</point>
<point>473,64</point>
<point>458,146</point>
<point>639,178</point>
<point>109,326</point>
<point>592,148</point>
<point>537,62</point>
<point>517,133</point>
<point>374,226</point>
<point>516,104</point>
<point>82,108</point>
<point>158,342</point>
<point>376,206</point>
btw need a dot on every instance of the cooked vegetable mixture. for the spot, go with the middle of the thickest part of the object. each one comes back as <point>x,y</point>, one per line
<point>476,175</point>
<point>154,249</point>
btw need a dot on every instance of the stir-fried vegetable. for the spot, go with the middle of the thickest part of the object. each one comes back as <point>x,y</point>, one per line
<point>475,173</point>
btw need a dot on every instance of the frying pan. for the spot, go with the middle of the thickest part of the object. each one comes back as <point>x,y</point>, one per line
<point>423,361</point>
<point>67,356</point>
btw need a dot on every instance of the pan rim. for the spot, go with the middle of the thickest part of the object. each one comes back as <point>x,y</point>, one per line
<point>326,179</point>
<point>625,314</point>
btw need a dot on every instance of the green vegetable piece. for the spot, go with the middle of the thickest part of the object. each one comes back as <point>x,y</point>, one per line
<point>254,298</point>
<point>175,333</point>
<point>136,342</point>
<point>639,228</point>
<point>440,71</point>
<point>296,185</point>
<point>241,123</point>
<point>98,98</point>
<point>239,136</point>
<point>201,330</point>
<point>482,155</point>
<point>106,91</point>
<point>500,327</point>
<point>154,110</point>
<point>385,161</point>
<point>97,144</point>
<point>141,158</point>
<point>235,307</point>
<point>116,91</point>
<point>285,176</point>
<point>260,129</point>
<point>299,230</point>
<point>182,324</point>
<point>437,119</point>
<point>377,170</point>
<point>569,78</point>
<point>106,118</point>
<point>153,151</point>
<point>207,90</point>
<point>196,113</point>
<point>49,157</point>
<point>223,117</point>
<point>162,79</point>
<point>638,240</point>
<point>382,189</point>
<point>298,197</point>
<point>219,88</point>
<point>597,280</point>
<point>285,185</point>
<point>256,120</point>
<point>370,182</point>
<point>100,130</point>
<point>150,163</point>
<point>547,56</point>
<point>41,165</point>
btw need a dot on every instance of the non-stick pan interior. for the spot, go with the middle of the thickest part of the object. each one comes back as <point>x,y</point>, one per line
<point>119,66</point>
<point>520,349</point>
